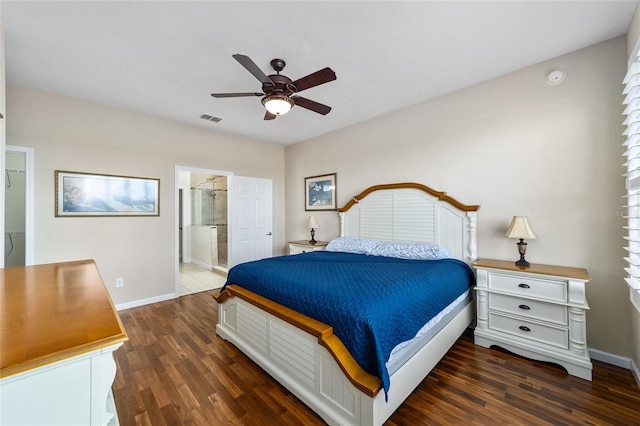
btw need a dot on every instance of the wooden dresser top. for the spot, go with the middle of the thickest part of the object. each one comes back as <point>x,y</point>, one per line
<point>535,268</point>
<point>52,312</point>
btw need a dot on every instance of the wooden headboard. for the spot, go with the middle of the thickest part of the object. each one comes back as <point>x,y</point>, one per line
<point>412,212</point>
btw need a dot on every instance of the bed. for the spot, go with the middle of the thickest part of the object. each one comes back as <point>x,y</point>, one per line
<point>307,356</point>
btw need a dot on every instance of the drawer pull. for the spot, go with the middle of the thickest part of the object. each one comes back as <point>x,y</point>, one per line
<point>523,285</point>
<point>525,307</point>
<point>524,328</point>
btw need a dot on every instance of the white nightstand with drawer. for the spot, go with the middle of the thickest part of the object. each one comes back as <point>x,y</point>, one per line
<point>538,312</point>
<point>296,247</point>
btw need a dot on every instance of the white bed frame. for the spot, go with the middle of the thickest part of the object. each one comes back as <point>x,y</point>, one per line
<point>304,355</point>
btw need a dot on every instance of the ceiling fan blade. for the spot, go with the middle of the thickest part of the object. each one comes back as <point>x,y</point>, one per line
<point>235,95</point>
<point>325,75</point>
<point>269,116</point>
<point>311,105</point>
<point>251,66</point>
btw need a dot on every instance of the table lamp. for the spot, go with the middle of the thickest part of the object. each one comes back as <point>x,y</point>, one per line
<point>521,229</point>
<point>312,225</point>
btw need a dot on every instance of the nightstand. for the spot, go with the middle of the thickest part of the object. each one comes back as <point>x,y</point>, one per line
<point>296,247</point>
<point>538,312</point>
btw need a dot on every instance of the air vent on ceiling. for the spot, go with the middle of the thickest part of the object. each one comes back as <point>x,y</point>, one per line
<point>210,118</point>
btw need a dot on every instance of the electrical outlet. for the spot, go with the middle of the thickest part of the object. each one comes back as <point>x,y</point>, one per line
<point>120,282</point>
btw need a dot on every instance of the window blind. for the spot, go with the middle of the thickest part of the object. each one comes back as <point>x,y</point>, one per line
<point>632,175</point>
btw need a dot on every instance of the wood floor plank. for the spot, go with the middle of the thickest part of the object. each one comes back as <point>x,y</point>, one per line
<point>220,374</point>
<point>225,416</point>
<point>142,419</point>
<point>152,409</point>
<point>174,370</point>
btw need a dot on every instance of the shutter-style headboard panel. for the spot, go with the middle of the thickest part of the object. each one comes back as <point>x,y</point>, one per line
<point>412,212</point>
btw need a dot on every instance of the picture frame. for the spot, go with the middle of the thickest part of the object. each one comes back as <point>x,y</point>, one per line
<point>320,192</point>
<point>80,194</point>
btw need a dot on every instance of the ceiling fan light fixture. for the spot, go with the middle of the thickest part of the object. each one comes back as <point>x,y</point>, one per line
<point>277,104</point>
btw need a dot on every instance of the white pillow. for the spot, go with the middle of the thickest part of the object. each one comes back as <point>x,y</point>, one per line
<point>417,251</point>
<point>352,245</point>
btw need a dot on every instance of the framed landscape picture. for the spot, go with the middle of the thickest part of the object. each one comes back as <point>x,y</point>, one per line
<point>320,192</point>
<point>90,194</point>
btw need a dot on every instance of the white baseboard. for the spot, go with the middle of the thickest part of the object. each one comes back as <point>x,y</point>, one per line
<point>636,372</point>
<point>201,264</point>
<point>142,302</point>
<point>618,361</point>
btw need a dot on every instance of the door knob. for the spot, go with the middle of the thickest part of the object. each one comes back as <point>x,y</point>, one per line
<point>270,233</point>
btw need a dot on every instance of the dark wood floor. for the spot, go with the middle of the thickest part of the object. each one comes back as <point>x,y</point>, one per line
<point>174,370</point>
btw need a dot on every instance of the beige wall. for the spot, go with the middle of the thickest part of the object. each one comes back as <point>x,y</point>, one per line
<point>515,146</point>
<point>69,134</point>
<point>2,138</point>
<point>633,35</point>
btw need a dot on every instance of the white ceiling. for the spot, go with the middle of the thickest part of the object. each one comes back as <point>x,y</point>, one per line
<point>165,57</point>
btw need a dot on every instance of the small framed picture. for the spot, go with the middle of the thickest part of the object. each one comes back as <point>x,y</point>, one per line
<point>320,192</point>
<point>90,194</point>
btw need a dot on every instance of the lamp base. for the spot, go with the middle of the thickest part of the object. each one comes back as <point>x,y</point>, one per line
<point>522,249</point>
<point>313,239</point>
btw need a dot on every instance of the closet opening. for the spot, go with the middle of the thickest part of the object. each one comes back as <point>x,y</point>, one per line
<point>18,206</point>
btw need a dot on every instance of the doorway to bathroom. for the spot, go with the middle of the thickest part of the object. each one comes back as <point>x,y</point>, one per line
<point>202,230</point>
<point>221,219</point>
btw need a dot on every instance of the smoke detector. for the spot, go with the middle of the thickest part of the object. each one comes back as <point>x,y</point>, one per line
<point>555,77</point>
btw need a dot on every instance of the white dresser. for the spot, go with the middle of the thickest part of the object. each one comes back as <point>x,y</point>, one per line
<point>296,247</point>
<point>59,332</point>
<point>538,312</point>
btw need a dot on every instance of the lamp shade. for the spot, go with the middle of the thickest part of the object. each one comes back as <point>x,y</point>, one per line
<point>520,228</point>
<point>313,223</point>
<point>277,104</point>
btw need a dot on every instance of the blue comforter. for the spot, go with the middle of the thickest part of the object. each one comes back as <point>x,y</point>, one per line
<point>372,302</point>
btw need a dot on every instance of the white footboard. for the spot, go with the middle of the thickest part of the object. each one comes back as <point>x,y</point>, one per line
<point>308,370</point>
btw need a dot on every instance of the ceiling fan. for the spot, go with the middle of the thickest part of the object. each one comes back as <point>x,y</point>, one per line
<point>278,90</point>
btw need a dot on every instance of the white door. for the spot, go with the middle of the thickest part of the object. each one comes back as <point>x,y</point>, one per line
<point>250,219</point>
